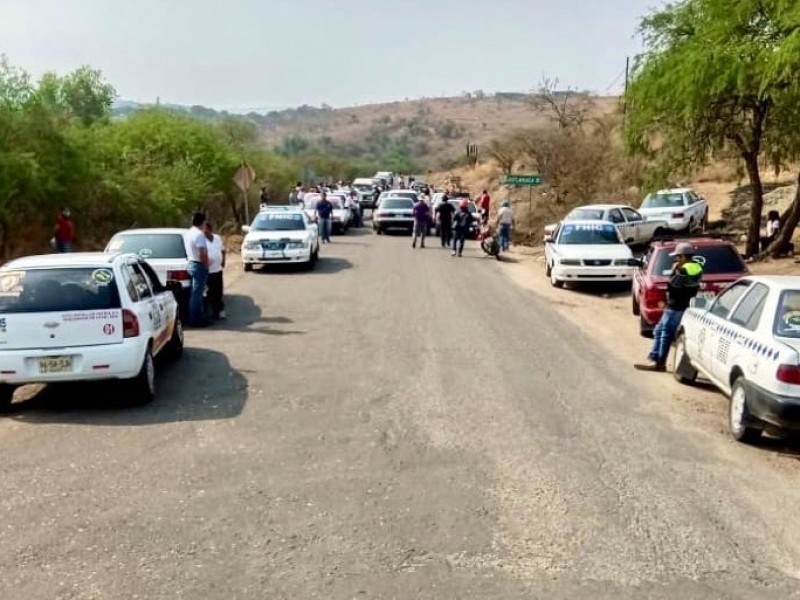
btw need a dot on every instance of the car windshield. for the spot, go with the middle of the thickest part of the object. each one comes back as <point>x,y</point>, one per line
<point>396,204</point>
<point>149,245</point>
<point>585,214</point>
<point>715,259</point>
<point>363,187</point>
<point>787,318</point>
<point>311,203</point>
<point>58,289</point>
<point>409,195</point>
<point>278,221</point>
<point>601,233</point>
<point>663,201</point>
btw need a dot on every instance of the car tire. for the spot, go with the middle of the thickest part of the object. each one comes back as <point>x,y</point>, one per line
<point>682,368</point>
<point>6,395</point>
<point>174,348</point>
<point>248,267</point>
<point>645,329</point>
<point>379,230</point>
<point>547,269</point>
<point>143,388</point>
<point>556,283</point>
<point>739,415</point>
<point>635,306</point>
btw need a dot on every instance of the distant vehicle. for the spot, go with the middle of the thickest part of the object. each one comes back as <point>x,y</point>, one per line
<point>387,177</point>
<point>722,265</point>
<point>682,209</point>
<point>280,235</point>
<point>747,343</point>
<point>364,186</point>
<point>85,317</point>
<point>411,195</point>
<point>587,251</point>
<point>164,249</point>
<point>394,212</point>
<point>633,227</point>
<point>341,215</point>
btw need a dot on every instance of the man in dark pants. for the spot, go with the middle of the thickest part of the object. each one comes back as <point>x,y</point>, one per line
<point>444,217</point>
<point>461,226</point>
<point>681,288</point>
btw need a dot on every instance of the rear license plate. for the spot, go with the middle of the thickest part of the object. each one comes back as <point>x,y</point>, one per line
<point>55,364</point>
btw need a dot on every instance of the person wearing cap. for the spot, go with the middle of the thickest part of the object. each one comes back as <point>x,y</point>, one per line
<point>683,285</point>
<point>462,222</point>
<point>504,221</point>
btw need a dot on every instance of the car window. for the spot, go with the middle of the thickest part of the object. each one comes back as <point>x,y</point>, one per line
<point>615,216</point>
<point>631,214</point>
<point>664,200</point>
<point>149,245</point>
<point>748,313</point>
<point>716,260</point>
<point>152,278</point>
<point>396,204</point>
<point>140,282</point>
<point>787,317</point>
<point>58,289</point>
<point>600,233</point>
<point>727,300</point>
<point>127,280</point>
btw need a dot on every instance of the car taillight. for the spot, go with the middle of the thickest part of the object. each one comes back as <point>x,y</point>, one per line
<point>677,215</point>
<point>177,275</point>
<point>130,324</point>
<point>655,296</point>
<point>789,374</point>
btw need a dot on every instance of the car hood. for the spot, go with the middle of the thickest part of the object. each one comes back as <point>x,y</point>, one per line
<point>612,251</point>
<point>260,236</point>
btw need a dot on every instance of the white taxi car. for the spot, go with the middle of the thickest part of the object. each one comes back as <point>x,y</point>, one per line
<point>586,251</point>
<point>85,317</point>
<point>747,342</point>
<point>681,208</point>
<point>280,234</point>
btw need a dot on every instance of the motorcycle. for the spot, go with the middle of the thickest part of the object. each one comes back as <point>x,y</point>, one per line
<point>488,239</point>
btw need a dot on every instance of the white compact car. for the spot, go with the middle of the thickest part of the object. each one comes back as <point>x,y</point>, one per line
<point>85,317</point>
<point>282,234</point>
<point>747,342</point>
<point>586,251</point>
<point>634,228</point>
<point>682,209</point>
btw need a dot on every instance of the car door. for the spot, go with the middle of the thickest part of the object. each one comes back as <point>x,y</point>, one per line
<point>150,317</point>
<point>636,225</point>
<point>165,302</point>
<point>739,333</point>
<point>615,216</point>
<point>715,338</point>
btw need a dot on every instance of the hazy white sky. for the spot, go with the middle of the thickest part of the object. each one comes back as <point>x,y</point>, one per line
<point>264,54</point>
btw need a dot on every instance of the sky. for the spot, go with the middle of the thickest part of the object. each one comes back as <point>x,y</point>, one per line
<point>264,55</point>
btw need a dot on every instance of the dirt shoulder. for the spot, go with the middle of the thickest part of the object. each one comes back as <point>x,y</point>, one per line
<point>604,315</point>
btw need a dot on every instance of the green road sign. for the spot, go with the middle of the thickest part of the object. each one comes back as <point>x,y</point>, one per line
<point>522,180</point>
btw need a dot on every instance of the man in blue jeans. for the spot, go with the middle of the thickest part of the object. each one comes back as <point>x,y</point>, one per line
<point>683,285</point>
<point>197,252</point>
<point>324,212</point>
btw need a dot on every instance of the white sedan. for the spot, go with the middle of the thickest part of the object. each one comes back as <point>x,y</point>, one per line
<point>587,251</point>
<point>635,229</point>
<point>340,216</point>
<point>280,234</point>
<point>85,317</point>
<point>747,342</point>
<point>681,208</point>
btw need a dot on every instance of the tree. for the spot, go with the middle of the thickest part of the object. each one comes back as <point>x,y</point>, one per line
<point>83,95</point>
<point>568,109</point>
<point>718,77</point>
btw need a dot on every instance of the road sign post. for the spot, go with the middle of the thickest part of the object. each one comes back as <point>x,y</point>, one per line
<point>529,181</point>
<point>244,178</point>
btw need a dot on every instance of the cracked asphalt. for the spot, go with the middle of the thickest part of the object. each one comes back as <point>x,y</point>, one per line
<point>396,424</point>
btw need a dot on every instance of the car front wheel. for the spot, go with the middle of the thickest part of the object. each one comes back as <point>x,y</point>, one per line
<point>554,281</point>
<point>248,267</point>
<point>6,395</point>
<point>682,368</point>
<point>739,415</point>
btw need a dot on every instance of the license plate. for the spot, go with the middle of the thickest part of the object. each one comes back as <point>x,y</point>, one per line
<point>55,364</point>
<point>272,246</point>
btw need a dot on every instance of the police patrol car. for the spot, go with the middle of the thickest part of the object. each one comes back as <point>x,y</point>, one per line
<point>747,342</point>
<point>280,234</point>
<point>85,317</point>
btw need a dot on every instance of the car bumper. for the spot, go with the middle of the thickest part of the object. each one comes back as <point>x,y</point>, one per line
<point>672,224</point>
<point>260,257</point>
<point>89,363</point>
<point>651,315</point>
<point>396,222</point>
<point>566,273</point>
<point>774,409</point>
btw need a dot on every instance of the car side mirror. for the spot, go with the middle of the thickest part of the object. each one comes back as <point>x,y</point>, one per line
<point>245,228</point>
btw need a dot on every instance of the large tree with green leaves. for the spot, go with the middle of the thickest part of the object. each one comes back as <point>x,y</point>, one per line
<point>718,78</point>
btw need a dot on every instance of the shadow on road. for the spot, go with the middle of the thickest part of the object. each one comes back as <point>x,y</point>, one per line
<point>326,265</point>
<point>244,315</point>
<point>602,290</point>
<point>200,386</point>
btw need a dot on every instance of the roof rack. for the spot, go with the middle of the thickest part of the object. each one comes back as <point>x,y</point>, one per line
<point>672,237</point>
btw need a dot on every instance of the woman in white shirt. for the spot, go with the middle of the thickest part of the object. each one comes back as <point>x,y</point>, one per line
<point>773,226</point>
<point>216,265</point>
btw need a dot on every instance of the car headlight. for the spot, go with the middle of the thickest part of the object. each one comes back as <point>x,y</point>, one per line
<point>297,244</point>
<point>570,262</point>
<point>622,262</point>
<point>252,245</point>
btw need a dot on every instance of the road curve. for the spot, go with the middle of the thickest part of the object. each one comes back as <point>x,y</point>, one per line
<point>397,424</point>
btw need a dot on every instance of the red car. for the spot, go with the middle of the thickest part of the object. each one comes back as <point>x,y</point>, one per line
<point>723,265</point>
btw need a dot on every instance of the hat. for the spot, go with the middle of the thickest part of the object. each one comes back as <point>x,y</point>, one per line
<point>506,203</point>
<point>683,249</point>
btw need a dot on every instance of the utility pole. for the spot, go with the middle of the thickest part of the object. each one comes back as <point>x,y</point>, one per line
<point>625,93</point>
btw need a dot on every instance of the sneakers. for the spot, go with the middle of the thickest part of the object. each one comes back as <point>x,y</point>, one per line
<point>651,366</point>
<point>454,254</point>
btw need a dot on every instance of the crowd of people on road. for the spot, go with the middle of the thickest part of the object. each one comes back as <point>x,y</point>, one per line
<point>206,252</point>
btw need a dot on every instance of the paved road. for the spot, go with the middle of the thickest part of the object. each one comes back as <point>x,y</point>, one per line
<point>397,424</point>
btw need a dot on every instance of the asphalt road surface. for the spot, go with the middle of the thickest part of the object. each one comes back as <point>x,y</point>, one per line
<point>397,424</point>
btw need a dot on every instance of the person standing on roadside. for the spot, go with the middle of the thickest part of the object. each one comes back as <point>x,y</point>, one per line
<point>462,222</point>
<point>64,231</point>
<point>444,217</point>
<point>264,198</point>
<point>197,251</point>
<point>684,282</point>
<point>422,215</point>
<point>216,266</point>
<point>504,222</point>
<point>324,212</point>
<point>485,203</point>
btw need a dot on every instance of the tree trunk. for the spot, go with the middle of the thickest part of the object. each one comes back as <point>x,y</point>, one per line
<point>754,226</point>
<point>788,225</point>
